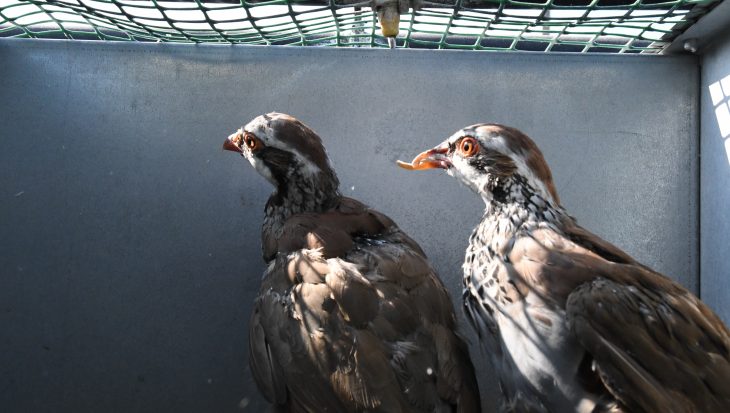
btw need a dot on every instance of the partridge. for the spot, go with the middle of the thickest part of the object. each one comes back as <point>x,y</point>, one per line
<point>350,316</point>
<point>571,322</point>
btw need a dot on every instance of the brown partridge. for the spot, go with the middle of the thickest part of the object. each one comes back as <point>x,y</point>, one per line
<point>572,323</point>
<point>350,316</point>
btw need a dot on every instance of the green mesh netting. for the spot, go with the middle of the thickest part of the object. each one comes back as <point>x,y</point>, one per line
<point>623,26</point>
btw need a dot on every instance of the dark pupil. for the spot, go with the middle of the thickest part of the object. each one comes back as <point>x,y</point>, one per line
<point>467,147</point>
<point>250,143</point>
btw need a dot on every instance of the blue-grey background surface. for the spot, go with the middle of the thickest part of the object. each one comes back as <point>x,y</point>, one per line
<point>715,182</point>
<point>130,249</point>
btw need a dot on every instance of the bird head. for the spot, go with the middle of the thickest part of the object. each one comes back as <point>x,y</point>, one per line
<point>489,158</point>
<point>284,151</point>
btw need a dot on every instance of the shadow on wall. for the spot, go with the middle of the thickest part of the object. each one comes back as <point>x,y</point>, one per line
<point>720,95</point>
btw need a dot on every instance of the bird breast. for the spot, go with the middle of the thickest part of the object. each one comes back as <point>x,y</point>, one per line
<point>530,341</point>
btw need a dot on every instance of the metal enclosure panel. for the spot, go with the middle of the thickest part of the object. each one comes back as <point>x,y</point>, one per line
<point>130,241</point>
<point>715,177</point>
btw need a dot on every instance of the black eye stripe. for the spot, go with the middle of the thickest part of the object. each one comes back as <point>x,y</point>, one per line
<point>480,163</point>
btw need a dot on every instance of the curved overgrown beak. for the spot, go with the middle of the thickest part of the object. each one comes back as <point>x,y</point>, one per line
<point>430,159</point>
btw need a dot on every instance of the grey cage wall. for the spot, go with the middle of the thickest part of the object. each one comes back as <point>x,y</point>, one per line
<point>130,248</point>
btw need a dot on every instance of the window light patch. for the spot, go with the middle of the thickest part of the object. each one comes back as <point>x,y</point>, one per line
<point>722,112</point>
<point>725,83</point>
<point>716,93</point>
<point>720,96</point>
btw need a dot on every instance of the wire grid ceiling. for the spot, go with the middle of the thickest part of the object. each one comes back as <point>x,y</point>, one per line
<point>613,26</point>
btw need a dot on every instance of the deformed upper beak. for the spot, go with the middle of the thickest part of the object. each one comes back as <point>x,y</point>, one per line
<point>430,159</point>
<point>233,143</point>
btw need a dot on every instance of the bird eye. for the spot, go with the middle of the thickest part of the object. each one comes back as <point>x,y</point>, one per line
<point>250,141</point>
<point>468,146</point>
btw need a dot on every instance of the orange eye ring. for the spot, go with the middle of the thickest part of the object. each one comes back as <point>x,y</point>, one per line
<point>251,141</point>
<point>468,146</point>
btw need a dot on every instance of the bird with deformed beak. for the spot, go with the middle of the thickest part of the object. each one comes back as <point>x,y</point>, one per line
<point>350,316</point>
<point>573,323</point>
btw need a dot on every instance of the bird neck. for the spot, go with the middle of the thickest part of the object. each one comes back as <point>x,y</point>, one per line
<point>516,194</point>
<point>300,194</point>
<point>513,207</point>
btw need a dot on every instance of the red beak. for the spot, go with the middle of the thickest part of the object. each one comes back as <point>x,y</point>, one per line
<point>229,145</point>
<point>430,159</point>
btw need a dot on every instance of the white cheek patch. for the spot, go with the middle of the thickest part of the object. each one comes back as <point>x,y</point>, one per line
<point>262,169</point>
<point>468,175</point>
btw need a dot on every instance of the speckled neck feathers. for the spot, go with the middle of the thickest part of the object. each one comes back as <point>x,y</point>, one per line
<point>515,200</point>
<point>298,194</point>
<point>513,209</point>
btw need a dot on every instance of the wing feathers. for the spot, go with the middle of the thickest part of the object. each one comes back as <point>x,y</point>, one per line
<point>596,313</point>
<point>655,346</point>
<point>355,296</point>
<point>356,320</point>
<point>263,366</point>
